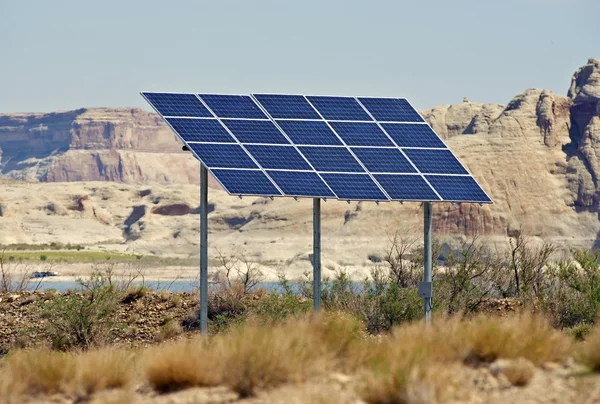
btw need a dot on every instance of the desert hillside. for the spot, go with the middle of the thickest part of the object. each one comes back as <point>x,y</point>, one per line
<point>117,177</point>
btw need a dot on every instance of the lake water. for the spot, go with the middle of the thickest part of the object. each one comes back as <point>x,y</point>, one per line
<point>176,286</point>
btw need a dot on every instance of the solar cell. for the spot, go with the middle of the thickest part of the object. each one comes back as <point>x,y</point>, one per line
<point>458,188</point>
<point>377,160</point>
<point>435,161</point>
<point>361,134</point>
<point>222,155</point>
<point>406,187</point>
<point>281,106</point>
<point>413,135</point>
<point>233,106</point>
<point>339,108</point>
<point>245,182</point>
<point>391,109</point>
<point>200,130</point>
<point>309,132</point>
<point>301,183</point>
<point>168,104</point>
<point>332,159</point>
<point>250,131</point>
<point>278,157</point>
<point>354,186</point>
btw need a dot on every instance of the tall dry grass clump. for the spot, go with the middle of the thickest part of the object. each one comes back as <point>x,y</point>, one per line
<point>42,371</point>
<point>104,369</point>
<point>45,372</point>
<point>589,351</point>
<point>526,336</point>
<point>256,355</point>
<point>403,360</point>
<point>184,363</point>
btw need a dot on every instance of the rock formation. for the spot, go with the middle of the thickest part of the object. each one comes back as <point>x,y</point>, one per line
<point>538,157</point>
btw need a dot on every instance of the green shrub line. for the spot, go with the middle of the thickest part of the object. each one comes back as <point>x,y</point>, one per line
<point>566,289</point>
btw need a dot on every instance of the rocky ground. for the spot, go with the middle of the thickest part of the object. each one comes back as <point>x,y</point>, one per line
<point>22,324</point>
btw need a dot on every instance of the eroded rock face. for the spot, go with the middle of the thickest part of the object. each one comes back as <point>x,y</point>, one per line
<point>538,158</point>
<point>462,119</point>
<point>584,150</point>
<point>100,144</point>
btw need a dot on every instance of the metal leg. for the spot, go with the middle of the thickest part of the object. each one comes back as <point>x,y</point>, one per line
<point>203,249</point>
<point>427,278</point>
<point>317,253</point>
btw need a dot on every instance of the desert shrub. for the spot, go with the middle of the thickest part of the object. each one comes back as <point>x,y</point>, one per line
<point>571,295</point>
<point>470,278</point>
<point>82,319</point>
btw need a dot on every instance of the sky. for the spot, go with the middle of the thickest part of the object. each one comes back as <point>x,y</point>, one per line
<point>60,55</point>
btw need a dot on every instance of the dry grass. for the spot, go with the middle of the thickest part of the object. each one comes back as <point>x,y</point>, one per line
<point>589,351</point>
<point>526,335</point>
<point>401,361</point>
<point>45,372</point>
<point>184,363</point>
<point>169,330</point>
<point>519,372</point>
<point>104,369</point>
<point>42,371</point>
<point>413,364</point>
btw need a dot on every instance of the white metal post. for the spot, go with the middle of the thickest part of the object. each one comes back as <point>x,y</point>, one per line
<point>427,288</point>
<point>317,253</point>
<point>203,249</point>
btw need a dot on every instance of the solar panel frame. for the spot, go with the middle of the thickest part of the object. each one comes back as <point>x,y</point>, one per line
<point>345,145</point>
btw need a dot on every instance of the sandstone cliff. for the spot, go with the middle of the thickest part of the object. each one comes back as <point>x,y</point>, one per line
<point>538,157</point>
<point>100,144</point>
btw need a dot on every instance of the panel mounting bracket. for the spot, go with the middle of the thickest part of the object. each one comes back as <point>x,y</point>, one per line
<point>426,290</point>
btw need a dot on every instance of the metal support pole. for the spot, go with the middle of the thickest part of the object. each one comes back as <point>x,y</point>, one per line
<point>203,249</point>
<point>317,253</point>
<point>427,288</point>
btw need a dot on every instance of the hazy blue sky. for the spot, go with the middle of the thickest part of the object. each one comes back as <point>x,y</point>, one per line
<point>57,55</point>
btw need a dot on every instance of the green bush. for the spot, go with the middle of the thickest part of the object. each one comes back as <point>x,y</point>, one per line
<point>83,319</point>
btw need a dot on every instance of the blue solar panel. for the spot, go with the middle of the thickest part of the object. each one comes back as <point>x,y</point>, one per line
<point>222,155</point>
<point>332,159</point>
<point>233,106</point>
<point>339,108</point>
<point>309,132</point>
<point>354,186</point>
<point>287,106</point>
<point>248,131</point>
<point>245,182</point>
<point>301,183</point>
<point>200,130</point>
<point>361,134</point>
<point>168,104</point>
<point>406,187</point>
<point>278,157</point>
<point>391,109</point>
<point>316,146</point>
<point>458,188</point>
<point>413,135</point>
<point>378,160</point>
<point>435,161</point>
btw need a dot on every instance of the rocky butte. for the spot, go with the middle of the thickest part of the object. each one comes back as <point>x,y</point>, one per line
<point>118,176</point>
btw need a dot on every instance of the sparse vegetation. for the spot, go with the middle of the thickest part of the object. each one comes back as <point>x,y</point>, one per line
<point>370,331</point>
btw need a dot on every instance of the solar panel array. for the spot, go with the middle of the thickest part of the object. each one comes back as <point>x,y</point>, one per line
<point>350,148</point>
